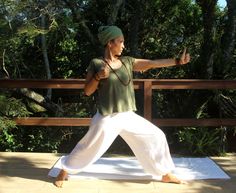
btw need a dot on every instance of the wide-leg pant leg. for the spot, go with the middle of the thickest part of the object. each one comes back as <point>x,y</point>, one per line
<point>92,146</point>
<point>148,143</point>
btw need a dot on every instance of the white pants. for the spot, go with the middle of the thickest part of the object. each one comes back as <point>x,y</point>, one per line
<point>147,141</point>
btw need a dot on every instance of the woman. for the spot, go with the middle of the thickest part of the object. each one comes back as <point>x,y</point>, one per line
<point>111,76</point>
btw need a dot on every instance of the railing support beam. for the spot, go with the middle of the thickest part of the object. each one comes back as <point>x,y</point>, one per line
<point>147,93</point>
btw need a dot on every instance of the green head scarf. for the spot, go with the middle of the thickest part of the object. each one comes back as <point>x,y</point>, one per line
<point>107,33</point>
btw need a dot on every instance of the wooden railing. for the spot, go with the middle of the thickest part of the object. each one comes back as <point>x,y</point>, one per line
<point>147,85</point>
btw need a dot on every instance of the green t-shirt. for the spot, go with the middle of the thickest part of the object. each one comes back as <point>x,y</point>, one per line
<point>113,95</point>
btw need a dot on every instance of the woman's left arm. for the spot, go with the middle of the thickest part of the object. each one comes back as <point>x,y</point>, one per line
<point>145,64</point>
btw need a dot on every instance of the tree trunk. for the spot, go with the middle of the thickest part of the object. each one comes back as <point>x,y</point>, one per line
<point>45,55</point>
<point>207,53</point>
<point>3,71</point>
<point>228,38</point>
<point>40,100</point>
<point>134,28</point>
<point>116,4</point>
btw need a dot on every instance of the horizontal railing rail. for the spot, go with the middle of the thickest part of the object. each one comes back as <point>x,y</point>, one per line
<point>147,85</point>
<point>156,84</point>
<point>72,122</point>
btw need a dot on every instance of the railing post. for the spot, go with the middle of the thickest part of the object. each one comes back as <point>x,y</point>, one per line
<point>147,99</point>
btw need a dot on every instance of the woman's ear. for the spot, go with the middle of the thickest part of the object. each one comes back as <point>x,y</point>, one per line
<point>109,43</point>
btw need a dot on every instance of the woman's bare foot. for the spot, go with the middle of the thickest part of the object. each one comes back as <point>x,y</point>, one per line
<point>62,176</point>
<point>170,178</point>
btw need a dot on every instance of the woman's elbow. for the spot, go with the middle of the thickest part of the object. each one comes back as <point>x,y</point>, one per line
<point>87,92</point>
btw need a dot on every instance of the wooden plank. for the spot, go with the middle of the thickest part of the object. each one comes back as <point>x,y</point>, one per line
<point>52,83</point>
<point>214,122</point>
<point>193,84</point>
<point>52,121</point>
<point>58,121</point>
<point>138,83</point>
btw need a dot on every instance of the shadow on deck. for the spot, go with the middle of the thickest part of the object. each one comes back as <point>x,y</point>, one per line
<point>27,172</point>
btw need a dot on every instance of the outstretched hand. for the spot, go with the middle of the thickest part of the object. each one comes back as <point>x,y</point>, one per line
<point>184,58</point>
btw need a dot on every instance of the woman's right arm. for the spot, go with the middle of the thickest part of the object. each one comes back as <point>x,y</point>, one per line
<point>91,84</point>
<point>92,80</point>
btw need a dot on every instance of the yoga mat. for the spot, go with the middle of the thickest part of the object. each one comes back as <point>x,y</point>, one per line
<point>128,168</point>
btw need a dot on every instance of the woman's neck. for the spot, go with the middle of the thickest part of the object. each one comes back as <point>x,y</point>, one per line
<point>109,56</point>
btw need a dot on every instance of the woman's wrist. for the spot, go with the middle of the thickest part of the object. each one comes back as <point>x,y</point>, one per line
<point>177,61</point>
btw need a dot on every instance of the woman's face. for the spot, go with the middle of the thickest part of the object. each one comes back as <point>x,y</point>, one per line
<point>116,46</point>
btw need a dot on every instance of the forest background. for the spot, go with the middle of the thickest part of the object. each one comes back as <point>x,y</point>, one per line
<point>57,39</point>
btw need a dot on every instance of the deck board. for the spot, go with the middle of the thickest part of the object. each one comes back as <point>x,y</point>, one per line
<point>27,172</point>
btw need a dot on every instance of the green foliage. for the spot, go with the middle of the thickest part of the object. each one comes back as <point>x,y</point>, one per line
<point>196,104</point>
<point>10,107</point>
<point>164,28</point>
<point>43,140</point>
<point>9,140</point>
<point>65,59</point>
<point>6,123</point>
<point>201,141</point>
<point>13,138</point>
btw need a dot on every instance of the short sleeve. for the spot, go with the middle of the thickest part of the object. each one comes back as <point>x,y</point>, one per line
<point>91,67</point>
<point>129,61</point>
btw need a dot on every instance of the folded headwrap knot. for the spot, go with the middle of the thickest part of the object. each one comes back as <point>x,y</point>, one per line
<point>107,33</point>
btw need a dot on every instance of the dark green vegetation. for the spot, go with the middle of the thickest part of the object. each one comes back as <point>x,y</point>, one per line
<point>56,39</point>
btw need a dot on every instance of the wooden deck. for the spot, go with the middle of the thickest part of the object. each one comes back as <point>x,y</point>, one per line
<point>27,173</point>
